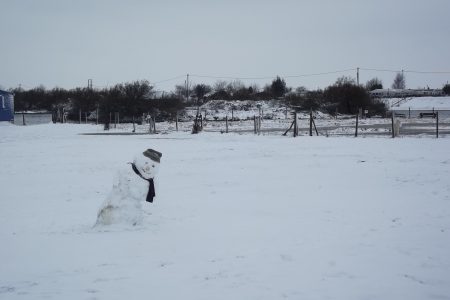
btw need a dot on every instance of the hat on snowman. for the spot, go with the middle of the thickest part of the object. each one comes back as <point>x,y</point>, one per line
<point>153,155</point>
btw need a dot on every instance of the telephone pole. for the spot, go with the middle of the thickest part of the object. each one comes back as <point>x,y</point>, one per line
<point>357,76</point>
<point>89,84</point>
<point>187,87</point>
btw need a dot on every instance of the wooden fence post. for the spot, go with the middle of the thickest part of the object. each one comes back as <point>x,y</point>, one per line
<point>85,117</point>
<point>310,122</point>
<point>176,121</point>
<point>79,113</point>
<point>226,124</point>
<point>392,121</point>
<point>437,124</point>
<point>292,124</point>
<point>96,119</point>
<point>315,128</point>
<point>254,124</point>
<point>23,119</point>
<point>259,124</point>
<point>356,129</point>
<point>295,125</point>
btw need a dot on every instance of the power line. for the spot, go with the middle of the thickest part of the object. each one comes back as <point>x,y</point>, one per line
<point>319,74</point>
<point>228,77</point>
<point>170,79</point>
<point>381,70</point>
<point>271,77</point>
<point>156,82</point>
<point>427,72</point>
<point>405,71</point>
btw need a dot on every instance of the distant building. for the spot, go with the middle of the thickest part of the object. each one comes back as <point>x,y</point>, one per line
<point>6,106</point>
<point>393,93</point>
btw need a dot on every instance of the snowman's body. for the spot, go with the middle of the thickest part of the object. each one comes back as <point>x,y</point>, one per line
<point>124,203</point>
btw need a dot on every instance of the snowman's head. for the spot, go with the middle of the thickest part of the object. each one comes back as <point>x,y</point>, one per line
<point>147,163</point>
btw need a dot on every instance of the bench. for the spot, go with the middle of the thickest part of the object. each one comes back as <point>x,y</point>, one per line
<point>432,115</point>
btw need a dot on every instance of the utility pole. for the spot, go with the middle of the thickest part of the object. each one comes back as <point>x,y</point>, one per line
<point>187,87</point>
<point>89,84</point>
<point>357,76</point>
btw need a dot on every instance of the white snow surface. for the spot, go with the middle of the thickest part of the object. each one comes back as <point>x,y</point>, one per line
<point>235,217</point>
<point>419,103</point>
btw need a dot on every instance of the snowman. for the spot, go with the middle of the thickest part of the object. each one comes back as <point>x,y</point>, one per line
<point>132,186</point>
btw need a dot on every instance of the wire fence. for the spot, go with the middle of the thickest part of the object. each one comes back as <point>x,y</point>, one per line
<point>399,123</point>
<point>421,123</point>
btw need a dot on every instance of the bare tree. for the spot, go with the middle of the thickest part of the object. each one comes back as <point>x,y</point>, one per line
<point>234,86</point>
<point>180,91</point>
<point>220,86</point>
<point>200,90</point>
<point>374,84</point>
<point>254,88</point>
<point>137,90</point>
<point>446,89</point>
<point>399,81</point>
<point>345,80</point>
<point>301,90</point>
<point>278,87</point>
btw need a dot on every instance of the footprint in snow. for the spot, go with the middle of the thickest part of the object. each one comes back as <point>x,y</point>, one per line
<point>286,257</point>
<point>7,289</point>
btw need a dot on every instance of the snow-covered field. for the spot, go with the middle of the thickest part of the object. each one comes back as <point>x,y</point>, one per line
<point>235,217</point>
<point>419,103</point>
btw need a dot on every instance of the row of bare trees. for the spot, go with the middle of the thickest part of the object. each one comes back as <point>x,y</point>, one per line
<point>130,99</point>
<point>233,90</point>
<point>137,97</point>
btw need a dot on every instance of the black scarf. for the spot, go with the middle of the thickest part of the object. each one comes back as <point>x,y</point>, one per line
<point>151,188</point>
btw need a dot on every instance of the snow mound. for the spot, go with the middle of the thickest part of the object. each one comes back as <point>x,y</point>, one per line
<point>240,109</point>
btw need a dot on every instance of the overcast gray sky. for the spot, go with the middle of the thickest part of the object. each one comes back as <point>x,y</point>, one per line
<point>64,43</point>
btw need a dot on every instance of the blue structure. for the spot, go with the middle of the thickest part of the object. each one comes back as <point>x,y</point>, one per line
<point>6,106</point>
